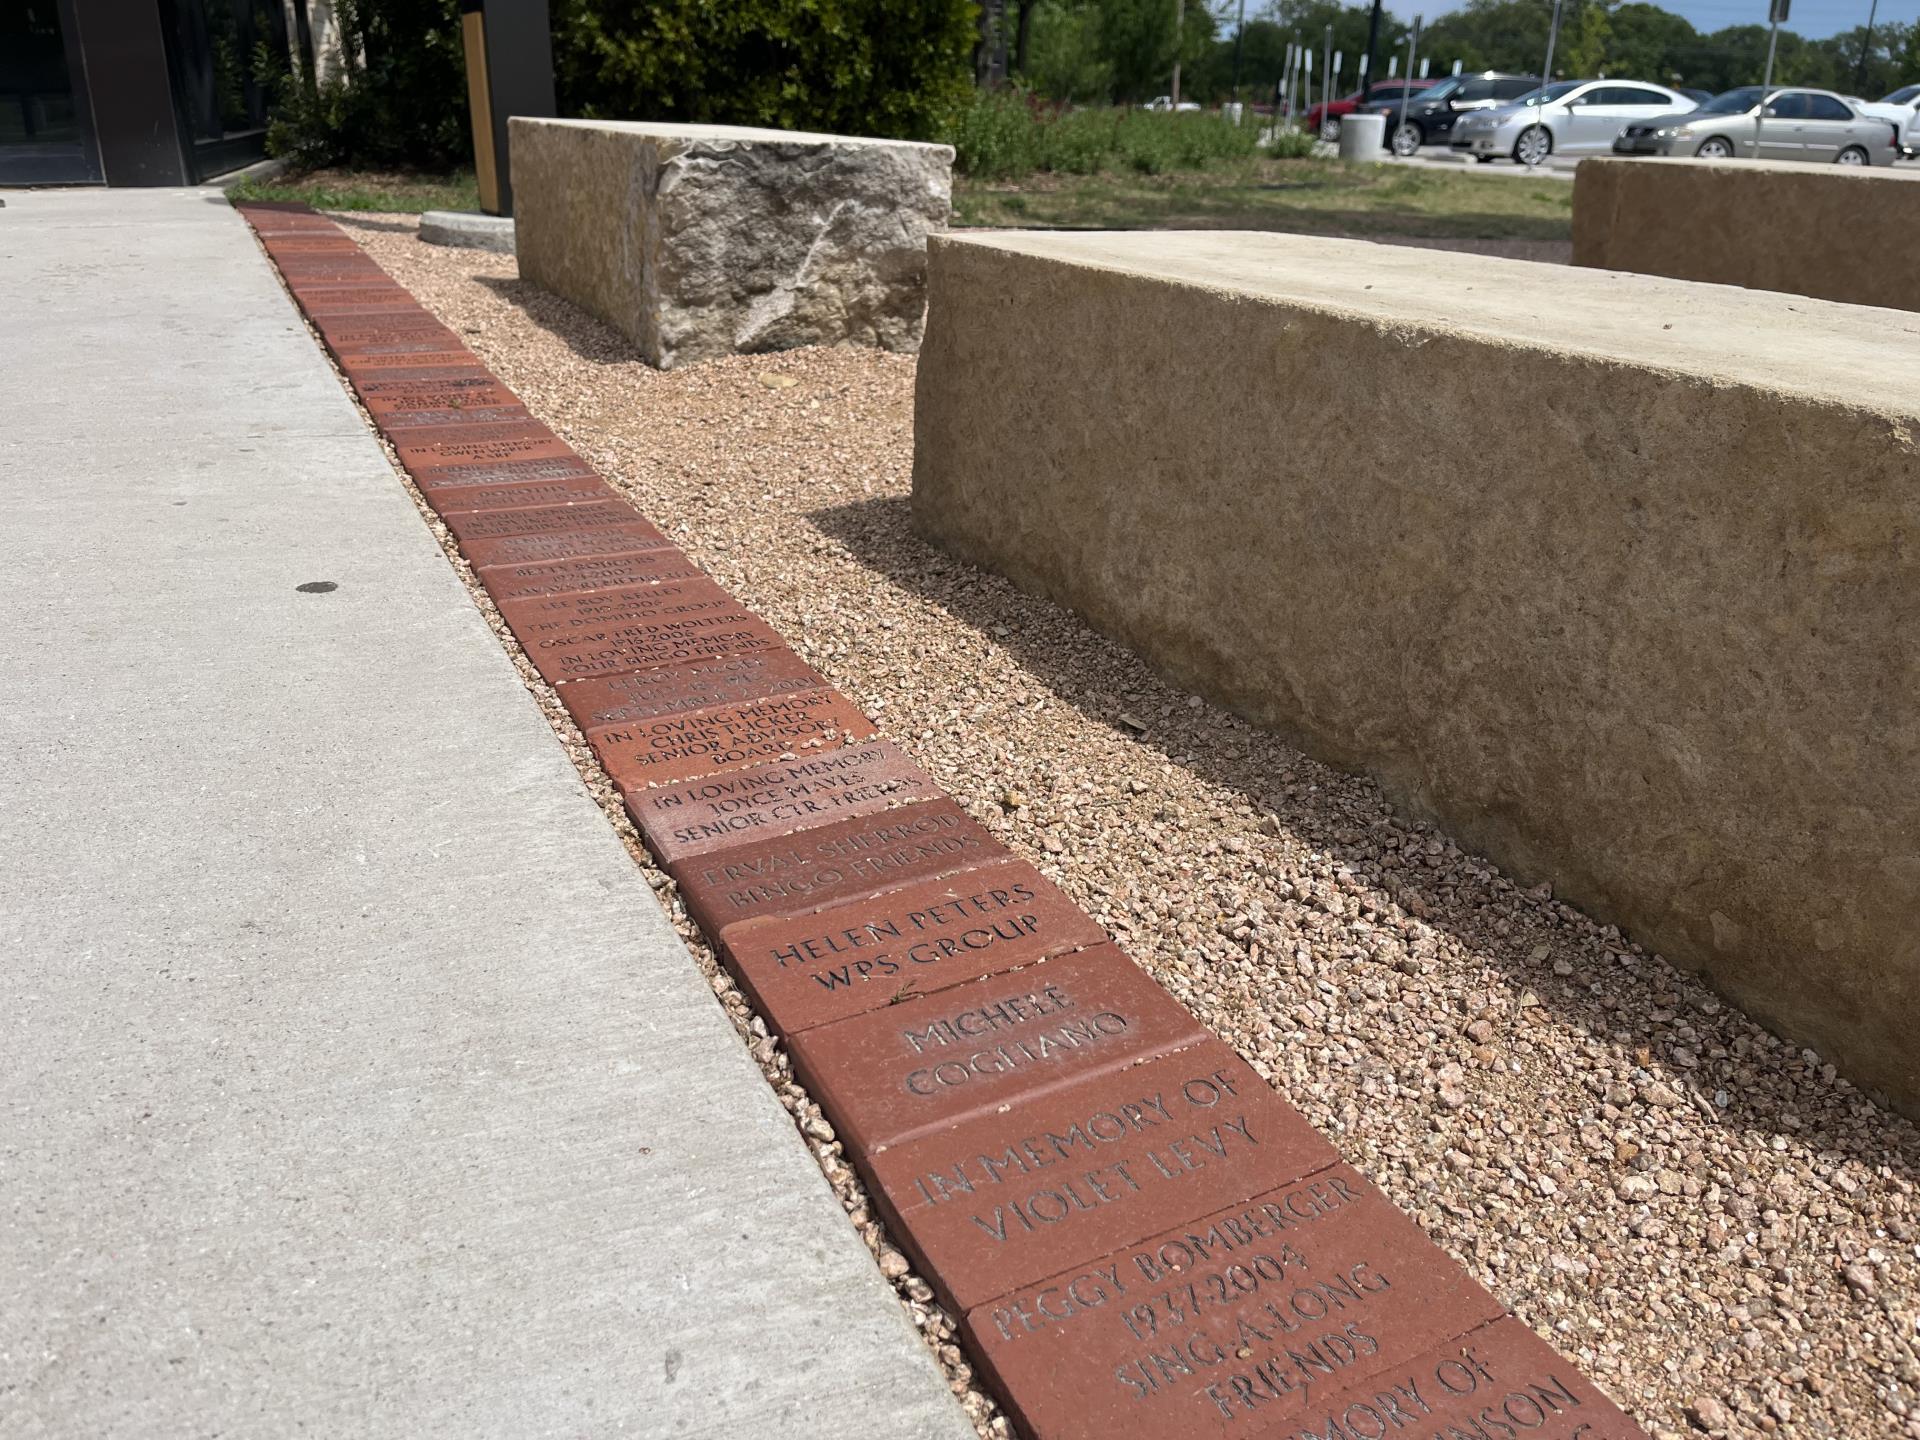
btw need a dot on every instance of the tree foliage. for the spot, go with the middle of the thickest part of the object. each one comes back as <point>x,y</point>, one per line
<point>858,67</point>
<point>397,100</point>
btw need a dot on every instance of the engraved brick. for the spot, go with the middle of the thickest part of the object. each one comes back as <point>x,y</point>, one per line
<point>934,1061</point>
<point>692,744</point>
<point>833,863</point>
<point>540,445</point>
<point>768,801</point>
<point>630,699</point>
<point>1062,1179</point>
<point>813,969</point>
<point>662,564</point>
<point>1219,1324</point>
<point>570,544</point>
<point>521,495</point>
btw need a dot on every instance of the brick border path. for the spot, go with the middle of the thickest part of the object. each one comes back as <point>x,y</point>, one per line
<point>1139,1236</point>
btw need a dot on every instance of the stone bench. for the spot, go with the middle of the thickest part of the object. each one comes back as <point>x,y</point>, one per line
<point>696,241</point>
<point>1615,575</point>
<point>1838,232</point>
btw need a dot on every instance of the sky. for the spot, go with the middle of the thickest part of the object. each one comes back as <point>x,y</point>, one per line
<point>1815,19</point>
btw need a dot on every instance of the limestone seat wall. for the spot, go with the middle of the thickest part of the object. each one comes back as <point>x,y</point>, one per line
<point>1837,232</point>
<point>696,241</point>
<point>1570,561</point>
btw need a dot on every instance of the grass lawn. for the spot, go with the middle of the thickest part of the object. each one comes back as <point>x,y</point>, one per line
<point>369,190</point>
<point>1312,196</point>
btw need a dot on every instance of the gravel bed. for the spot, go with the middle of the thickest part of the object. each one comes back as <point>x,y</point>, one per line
<point>1721,1230</point>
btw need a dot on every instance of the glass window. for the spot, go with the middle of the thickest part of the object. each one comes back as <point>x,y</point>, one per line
<point>1514,88</point>
<point>1547,94</point>
<point>1475,90</point>
<point>1446,90</point>
<point>1825,107</point>
<point>1905,95</point>
<point>1734,102</point>
<point>1791,105</point>
<point>1635,95</point>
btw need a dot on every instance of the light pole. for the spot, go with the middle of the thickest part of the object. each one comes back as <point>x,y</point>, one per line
<point>1866,47</point>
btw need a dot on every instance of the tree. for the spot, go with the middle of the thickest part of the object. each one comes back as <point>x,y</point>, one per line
<point>860,67</point>
<point>1065,61</point>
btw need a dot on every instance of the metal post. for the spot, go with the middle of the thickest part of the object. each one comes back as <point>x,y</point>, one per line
<point>509,45</point>
<point>1553,35</point>
<point>1326,83</point>
<point>1866,47</point>
<point>1179,24</point>
<point>1373,43</point>
<point>1239,33</point>
<point>1413,44</point>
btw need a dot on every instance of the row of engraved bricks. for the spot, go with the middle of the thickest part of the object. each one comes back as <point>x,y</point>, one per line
<point>1139,1236</point>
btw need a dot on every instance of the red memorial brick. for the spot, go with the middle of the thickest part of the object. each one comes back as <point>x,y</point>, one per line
<point>631,699</point>
<point>764,801</point>
<point>520,550</point>
<point>1314,1283</point>
<point>411,427</point>
<point>463,473</point>
<point>933,1061</point>
<point>521,495</point>
<point>1060,1179</point>
<point>661,564</point>
<point>468,392</point>
<point>691,744</point>
<point>554,629</point>
<point>847,860</point>
<point>813,969</point>
<point>644,644</point>
<point>443,453</point>
<point>541,521</point>
<point>1501,1382</point>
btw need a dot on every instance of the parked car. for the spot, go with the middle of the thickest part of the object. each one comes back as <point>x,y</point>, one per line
<point>1430,116</point>
<point>1902,109</point>
<point>1165,102</point>
<point>1324,119</point>
<point>1697,97</point>
<point>1570,117</point>
<point>1781,124</point>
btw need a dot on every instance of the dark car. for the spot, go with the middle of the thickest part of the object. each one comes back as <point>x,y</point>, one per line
<point>1324,118</point>
<point>1429,116</point>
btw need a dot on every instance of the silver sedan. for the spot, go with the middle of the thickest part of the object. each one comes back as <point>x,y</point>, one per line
<point>1569,117</point>
<point>1789,124</point>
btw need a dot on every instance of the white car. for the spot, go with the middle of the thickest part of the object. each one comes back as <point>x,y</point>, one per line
<point>1902,108</point>
<point>1569,117</point>
<point>1165,102</point>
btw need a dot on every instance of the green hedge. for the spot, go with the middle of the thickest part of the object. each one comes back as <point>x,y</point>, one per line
<point>1004,136</point>
<point>857,67</point>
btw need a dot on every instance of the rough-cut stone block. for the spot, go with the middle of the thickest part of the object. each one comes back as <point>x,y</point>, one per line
<point>696,241</point>
<point>1839,232</point>
<point>1654,645</point>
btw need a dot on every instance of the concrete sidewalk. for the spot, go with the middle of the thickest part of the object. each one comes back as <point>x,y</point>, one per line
<point>351,1079</point>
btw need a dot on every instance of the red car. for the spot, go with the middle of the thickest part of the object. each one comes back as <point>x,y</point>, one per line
<point>1324,119</point>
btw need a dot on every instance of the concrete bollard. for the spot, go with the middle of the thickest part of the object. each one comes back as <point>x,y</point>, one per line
<point>1362,137</point>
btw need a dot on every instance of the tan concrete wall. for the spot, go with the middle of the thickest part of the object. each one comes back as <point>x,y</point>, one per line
<point>696,241</point>
<point>1616,576</point>
<point>1838,232</point>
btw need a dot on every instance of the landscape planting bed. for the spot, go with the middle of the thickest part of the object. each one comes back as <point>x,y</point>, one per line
<point>1614,1154</point>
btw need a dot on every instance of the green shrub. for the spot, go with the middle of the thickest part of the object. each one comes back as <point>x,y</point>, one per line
<point>398,99</point>
<point>1003,135</point>
<point>995,137</point>
<point>857,67</point>
<point>1290,144</point>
